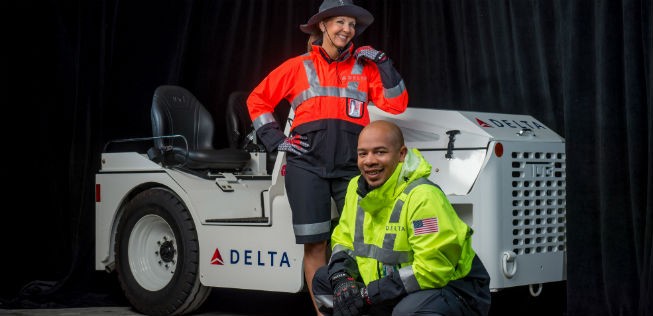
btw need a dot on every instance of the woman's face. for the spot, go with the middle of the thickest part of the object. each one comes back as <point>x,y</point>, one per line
<point>338,31</point>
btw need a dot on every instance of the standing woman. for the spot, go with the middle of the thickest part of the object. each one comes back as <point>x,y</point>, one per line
<point>329,89</point>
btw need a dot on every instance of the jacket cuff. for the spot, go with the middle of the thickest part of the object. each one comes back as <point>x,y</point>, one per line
<point>390,77</point>
<point>338,263</point>
<point>386,289</point>
<point>270,135</point>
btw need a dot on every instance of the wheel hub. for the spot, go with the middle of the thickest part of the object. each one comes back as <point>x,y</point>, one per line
<point>167,251</point>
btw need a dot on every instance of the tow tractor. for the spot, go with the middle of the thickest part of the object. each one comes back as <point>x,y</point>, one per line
<point>181,218</point>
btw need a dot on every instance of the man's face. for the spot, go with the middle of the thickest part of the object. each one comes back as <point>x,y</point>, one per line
<point>378,155</point>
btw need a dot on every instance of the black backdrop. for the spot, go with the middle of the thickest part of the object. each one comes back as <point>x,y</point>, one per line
<point>80,73</point>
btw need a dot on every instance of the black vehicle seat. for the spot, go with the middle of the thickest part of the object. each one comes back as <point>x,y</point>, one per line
<point>239,124</point>
<point>176,111</point>
<point>240,130</point>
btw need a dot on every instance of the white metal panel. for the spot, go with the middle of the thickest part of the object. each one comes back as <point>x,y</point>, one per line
<point>127,161</point>
<point>417,124</point>
<point>512,127</point>
<point>260,258</point>
<point>211,202</point>
<point>455,176</point>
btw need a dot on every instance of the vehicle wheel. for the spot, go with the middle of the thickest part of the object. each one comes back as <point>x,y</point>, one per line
<point>157,255</point>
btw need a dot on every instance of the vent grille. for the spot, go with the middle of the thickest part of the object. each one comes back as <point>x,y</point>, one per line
<point>538,202</point>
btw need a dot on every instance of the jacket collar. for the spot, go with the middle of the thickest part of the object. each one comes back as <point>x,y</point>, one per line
<point>344,55</point>
<point>414,166</point>
<point>372,200</point>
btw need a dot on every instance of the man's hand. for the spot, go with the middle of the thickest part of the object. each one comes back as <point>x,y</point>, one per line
<point>371,54</point>
<point>349,297</point>
<point>295,144</point>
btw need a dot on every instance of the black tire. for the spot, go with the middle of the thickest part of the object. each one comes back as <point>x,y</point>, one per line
<point>157,255</point>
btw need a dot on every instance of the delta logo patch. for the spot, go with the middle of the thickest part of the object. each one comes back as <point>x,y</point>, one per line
<point>217,258</point>
<point>482,124</point>
<point>503,123</point>
<point>250,257</point>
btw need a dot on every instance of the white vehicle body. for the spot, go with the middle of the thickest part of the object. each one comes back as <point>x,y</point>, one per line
<point>504,174</point>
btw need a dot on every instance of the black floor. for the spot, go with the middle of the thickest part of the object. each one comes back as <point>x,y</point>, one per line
<point>104,292</point>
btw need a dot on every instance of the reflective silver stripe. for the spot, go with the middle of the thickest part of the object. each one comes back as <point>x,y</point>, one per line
<point>352,85</point>
<point>396,211</point>
<point>395,91</point>
<point>312,229</point>
<point>316,89</point>
<point>359,237</point>
<point>417,182</point>
<point>408,279</point>
<point>324,300</point>
<point>263,119</point>
<point>357,69</point>
<point>338,248</point>
<point>311,74</point>
<point>326,92</point>
<point>386,254</point>
<point>389,241</point>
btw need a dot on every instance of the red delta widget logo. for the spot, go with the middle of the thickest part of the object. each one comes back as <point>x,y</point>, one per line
<point>510,124</point>
<point>248,257</point>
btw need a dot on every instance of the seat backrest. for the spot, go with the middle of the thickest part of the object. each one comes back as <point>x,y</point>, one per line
<point>239,123</point>
<point>176,111</point>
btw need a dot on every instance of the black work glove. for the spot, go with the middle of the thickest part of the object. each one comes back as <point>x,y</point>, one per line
<point>371,54</point>
<point>351,267</point>
<point>295,144</point>
<point>343,262</point>
<point>349,297</point>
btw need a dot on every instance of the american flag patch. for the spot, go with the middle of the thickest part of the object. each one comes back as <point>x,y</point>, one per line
<point>425,226</point>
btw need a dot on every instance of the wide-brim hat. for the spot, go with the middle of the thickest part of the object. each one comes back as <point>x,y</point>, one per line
<point>330,8</point>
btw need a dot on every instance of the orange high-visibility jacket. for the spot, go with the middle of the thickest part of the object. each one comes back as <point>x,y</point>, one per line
<point>329,98</point>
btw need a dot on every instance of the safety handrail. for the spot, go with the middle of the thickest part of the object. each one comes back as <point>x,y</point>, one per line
<point>163,149</point>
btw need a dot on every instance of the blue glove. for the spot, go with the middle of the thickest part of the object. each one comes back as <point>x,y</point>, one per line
<point>295,144</point>
<point>371,54</point>
<point>349,297</point>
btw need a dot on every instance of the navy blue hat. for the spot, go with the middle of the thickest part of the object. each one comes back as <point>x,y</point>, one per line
<point>330,8</point>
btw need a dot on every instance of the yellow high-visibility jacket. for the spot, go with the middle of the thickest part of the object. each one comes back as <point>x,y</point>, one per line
<point>405,236</point>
